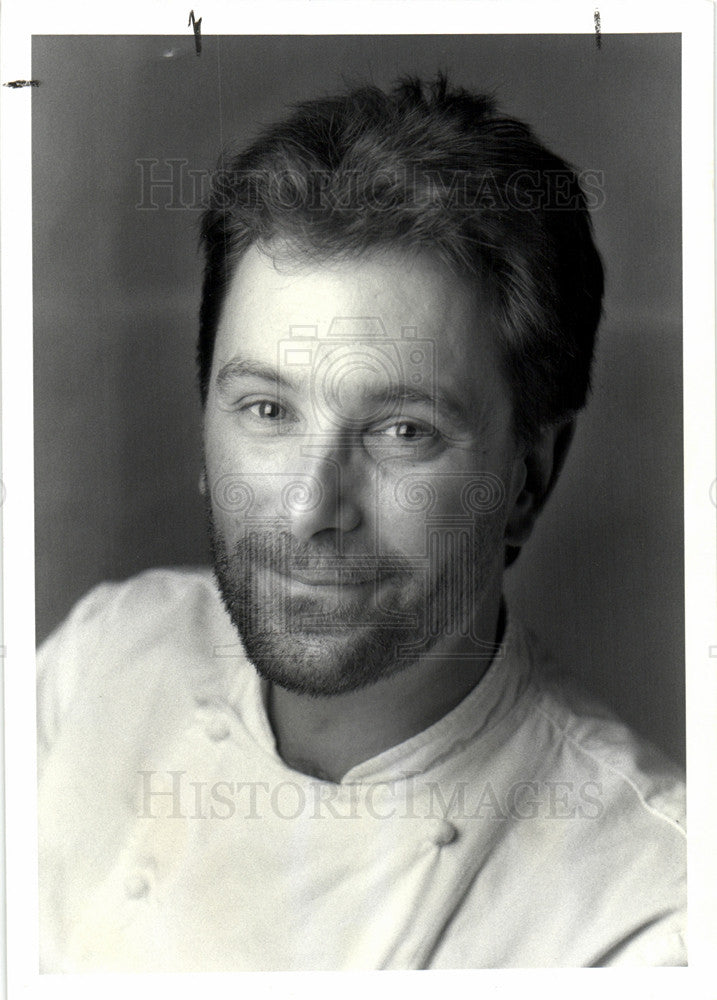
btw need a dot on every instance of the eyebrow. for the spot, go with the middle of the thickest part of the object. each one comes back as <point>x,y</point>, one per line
<point>440,399</point>
<point>244,368</point>
<point>400,393</point>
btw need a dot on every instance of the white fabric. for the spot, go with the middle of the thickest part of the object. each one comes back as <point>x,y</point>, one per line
<point>522,829</point>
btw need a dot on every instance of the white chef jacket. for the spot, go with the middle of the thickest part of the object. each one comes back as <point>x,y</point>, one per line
<point>525,828</point>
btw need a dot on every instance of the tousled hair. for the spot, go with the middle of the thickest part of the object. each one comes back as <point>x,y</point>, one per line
<point>424,168</point>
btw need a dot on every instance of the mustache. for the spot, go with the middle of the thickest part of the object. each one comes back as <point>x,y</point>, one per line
<point>284,554</point>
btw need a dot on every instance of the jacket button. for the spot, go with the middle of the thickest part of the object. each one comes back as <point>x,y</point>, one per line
<point>442,833</point>
<point>136,885</point>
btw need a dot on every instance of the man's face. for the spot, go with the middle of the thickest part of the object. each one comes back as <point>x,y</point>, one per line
<point>360,466</point>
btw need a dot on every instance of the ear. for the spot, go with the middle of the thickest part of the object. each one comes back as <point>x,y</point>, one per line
<point>535,475</point>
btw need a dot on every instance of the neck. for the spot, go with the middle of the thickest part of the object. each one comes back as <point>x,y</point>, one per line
<point>326,737</point>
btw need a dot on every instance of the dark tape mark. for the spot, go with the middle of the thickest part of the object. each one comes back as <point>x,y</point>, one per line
<point>598,36</point>
<point>22,83</point>
<point>197,25</point>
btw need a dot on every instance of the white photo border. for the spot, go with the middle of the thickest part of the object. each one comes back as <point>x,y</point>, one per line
<point>695,21</point>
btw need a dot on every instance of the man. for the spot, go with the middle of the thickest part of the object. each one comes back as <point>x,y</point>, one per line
<point>399,310</point>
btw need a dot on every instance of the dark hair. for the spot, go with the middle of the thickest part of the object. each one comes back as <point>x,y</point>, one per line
<point>432,168</point>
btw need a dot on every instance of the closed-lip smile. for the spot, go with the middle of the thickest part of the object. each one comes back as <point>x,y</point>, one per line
<point>338,577</point>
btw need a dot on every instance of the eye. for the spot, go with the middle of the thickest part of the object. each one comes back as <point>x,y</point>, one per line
<point>265,417</point>
<point>412,439</point>
<point>266,409</point>
<point>409,430</point>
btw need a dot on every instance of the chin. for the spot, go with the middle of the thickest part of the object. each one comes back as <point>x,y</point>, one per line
<point>326,641</point>
<point>328,662</point>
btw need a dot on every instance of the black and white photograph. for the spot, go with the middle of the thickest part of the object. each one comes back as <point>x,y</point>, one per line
<point>369,493</point>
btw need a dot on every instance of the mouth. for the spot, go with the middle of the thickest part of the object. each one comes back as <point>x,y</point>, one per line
<point>332,578</point>
<point>337,574</point>
<point>328,601</point>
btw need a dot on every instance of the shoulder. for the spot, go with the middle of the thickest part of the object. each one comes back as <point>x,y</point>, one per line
<point>600,745</point>
<point>588,839</point>
<point>131,610</point>
<point>139,595</point>
<point>139,634</point>
<point>627,843</point>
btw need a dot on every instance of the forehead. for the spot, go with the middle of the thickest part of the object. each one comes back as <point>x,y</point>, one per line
<point>388,296</point>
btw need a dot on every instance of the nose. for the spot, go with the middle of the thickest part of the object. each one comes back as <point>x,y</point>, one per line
<point>326,496</point>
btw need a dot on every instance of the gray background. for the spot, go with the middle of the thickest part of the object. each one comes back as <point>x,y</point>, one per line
<point>116,291</point>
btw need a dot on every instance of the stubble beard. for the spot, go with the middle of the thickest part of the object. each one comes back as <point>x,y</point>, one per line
<point>320,649</point>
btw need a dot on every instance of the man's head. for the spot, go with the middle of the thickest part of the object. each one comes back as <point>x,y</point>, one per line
<point>397,326</point>
<point>434,170</point>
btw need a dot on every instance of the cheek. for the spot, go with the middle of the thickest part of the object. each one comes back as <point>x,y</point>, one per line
<point>241,477</point>
<point>246,501</point>
<point>411,511</point>
<point>441,518</point>
<point>397,533</point>
<point>224,449</point>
